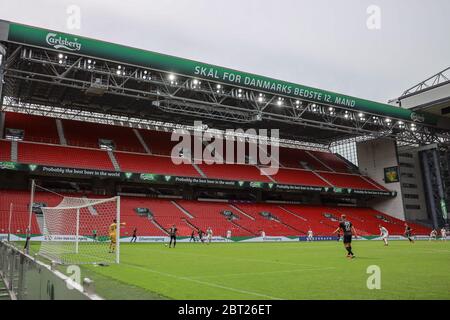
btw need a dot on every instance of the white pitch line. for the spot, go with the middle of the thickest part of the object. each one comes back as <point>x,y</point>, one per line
<point>202,282</point>
<point>262,273</point>
<point>240,259</point>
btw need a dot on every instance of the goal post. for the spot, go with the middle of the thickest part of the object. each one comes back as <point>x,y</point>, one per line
<point>77,231</point>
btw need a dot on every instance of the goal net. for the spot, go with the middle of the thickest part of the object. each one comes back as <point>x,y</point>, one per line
<point>78,231</point>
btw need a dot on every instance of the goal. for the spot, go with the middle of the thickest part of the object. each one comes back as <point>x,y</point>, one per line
<point>76,231</point>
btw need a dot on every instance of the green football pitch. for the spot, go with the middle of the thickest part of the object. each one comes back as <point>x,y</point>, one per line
<point>239,271</point>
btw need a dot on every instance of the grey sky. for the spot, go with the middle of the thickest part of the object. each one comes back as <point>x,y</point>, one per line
<point>321,43</point>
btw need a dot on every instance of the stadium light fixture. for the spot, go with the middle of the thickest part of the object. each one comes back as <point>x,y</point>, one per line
<point>172,79</point>
<point>90,64</point>
<point>280,101</point>
<point>331,110</point>
<point>61,58</point>
<point>347,115</point>
<point>195,83</point>
<point>219,88</point>
<point>362,116</point>
<point>260,98</point>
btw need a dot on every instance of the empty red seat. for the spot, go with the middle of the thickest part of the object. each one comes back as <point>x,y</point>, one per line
<point>299,177</point>
<point>88,134</point>
<point>33,153</point>
<point>141,163</point>
<point>5,150</point>
<point>352,181</point>
<point>36,128</point>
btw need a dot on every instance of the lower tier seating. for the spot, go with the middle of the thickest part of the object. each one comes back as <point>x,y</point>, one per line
<point>249,219</point>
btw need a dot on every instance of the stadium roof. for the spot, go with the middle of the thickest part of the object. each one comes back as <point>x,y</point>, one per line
<point>53,68</point>
<point>431,95</point>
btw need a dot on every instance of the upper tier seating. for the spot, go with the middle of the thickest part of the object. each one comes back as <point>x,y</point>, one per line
<point>332,161</point>
<point>316,168</point>
<point>348,181</point>
<point>35,153</point>
<point>87,134</point>
<point>297,158</point>
<point>159,142</point>
<point>163,165</point>
<point>233,172</point>
<point>36,128</point>
<point>5,150</point>
<point>300,177</point>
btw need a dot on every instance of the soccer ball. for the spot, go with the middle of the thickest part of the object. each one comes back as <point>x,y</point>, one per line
<point>166,244</point>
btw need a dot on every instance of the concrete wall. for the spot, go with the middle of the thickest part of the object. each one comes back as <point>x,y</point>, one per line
<point>373,157</point>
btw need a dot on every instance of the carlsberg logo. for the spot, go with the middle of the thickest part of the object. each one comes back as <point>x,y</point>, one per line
<point>59,42</point>
<point>417,117</point>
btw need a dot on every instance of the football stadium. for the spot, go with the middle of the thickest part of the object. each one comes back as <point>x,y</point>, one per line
<point>131,174</point>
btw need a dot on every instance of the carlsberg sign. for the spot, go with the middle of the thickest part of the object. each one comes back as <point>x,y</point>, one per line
<point>59,42</point>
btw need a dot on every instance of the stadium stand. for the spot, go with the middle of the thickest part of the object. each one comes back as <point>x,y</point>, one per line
<point>133,162</point>
<point>209,214</point>
<point>5,150</point>
<point>271,227</point>
<point>35,128</point>
<point>301,177</point>
<point>159,142</point>
<point>234,172</point>
<point>37,153</point>
<point>88,134</point>
<point>298,158</point>
<point>287,219</point>
<point>332,161</point>
<point>316,165</point>
<point>353,181</point>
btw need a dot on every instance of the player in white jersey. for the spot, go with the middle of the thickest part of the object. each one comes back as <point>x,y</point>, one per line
<point>209,234</point>
<point>384,234</point>
<point>433,235</point>
<point>310,236</point>
<point>443,234</point>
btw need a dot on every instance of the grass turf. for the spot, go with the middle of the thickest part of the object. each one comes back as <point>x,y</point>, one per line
<point>238,271</point>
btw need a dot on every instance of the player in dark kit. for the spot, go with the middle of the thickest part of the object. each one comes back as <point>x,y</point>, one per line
<point>200,235</point>
<point>193,236</point>
<point>408,233</point>
<point>173,236</point>
<point>134,237</point>
<point>348,230</point>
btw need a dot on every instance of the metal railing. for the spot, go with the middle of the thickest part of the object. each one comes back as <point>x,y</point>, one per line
<point>26,278</point>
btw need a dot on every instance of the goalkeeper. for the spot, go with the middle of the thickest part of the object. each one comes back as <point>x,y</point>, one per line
<point>113,235</point>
